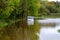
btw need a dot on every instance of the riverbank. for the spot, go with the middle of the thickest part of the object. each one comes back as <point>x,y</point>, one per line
<point>47,16</point>
<point>52,16</point>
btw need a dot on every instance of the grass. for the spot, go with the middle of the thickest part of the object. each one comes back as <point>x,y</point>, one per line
<point>4,23</point>
<point>52,16</point>
<point>48,16</point>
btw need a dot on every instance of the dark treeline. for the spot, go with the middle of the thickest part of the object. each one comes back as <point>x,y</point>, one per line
<point>48,8</point>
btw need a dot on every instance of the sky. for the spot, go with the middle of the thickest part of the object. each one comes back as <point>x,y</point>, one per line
<point>54,0</point>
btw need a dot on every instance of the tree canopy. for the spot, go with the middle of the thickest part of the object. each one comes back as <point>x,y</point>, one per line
<point>49,8</point>
<point>13,8</point>
<point>7,6</point>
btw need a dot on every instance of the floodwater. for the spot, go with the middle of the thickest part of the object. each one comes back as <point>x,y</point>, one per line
<point>49,28</point>
<point>49,32</point>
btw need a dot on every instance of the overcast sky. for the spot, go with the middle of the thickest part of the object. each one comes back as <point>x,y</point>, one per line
<point>54,0</point>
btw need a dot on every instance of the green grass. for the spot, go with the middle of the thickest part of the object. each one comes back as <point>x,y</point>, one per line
<point>10,22</point>
<point>52,16</point>
<point>48,16</point>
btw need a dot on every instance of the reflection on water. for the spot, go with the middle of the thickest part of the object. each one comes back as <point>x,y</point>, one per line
<point>50,32</point>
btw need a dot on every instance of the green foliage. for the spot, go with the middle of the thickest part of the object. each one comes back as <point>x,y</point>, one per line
<point>43,10</point>
<point>59,30</point>
<point>20,7</point>
<point>7,6</point>
<point>34,5</point>
<point>47,8</point>
<point>58,9</point>
<point>6,10</point>
<point>12,9</point>
<point>52,8</point>
<point>29,7</point>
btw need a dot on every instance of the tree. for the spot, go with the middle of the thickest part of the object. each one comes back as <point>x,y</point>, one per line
<point>51,7</point>
<point>7,6</point>
<point>10,8</point>
<point>43,10</point>
<point>28,7</point>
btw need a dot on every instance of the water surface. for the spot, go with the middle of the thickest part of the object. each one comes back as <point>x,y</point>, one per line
<point>49,32</point>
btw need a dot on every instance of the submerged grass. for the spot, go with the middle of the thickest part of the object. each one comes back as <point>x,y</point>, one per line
<point>20,31</point>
